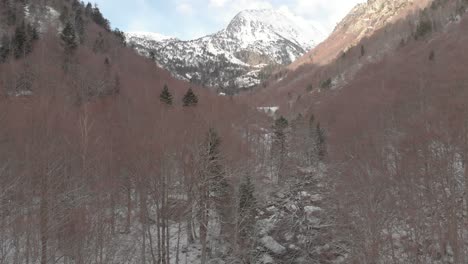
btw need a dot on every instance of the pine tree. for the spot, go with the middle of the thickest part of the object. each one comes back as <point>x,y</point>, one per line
<point>99,43</point>
<point>31,36</point>
<point>152,55</point>
<point>120,36</point>
<point>247,209</point>
<point>117,84</point>
<point>190,99</point>
<point>279,149</point>
<point>4,48</point>
<point>311,141</point>
<point>64,15</point>
<point>298,140</point>
<point>214,189</point>
<point>19,41</point>
<point>432,55</point>
<point>321,143</point>
<point>11,14</point>
<point>68,37</point>
<point>33,33</point>
<point>89,10</point>
<point>214,168</point>
<point>166,96</point>
<point>79,24</point>
<point>76,5</point>
<point>99,19</point>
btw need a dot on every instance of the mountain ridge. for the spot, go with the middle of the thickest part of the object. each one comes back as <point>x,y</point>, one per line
<point>236,56</point>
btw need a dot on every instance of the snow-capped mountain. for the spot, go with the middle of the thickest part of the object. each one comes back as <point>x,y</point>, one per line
<point>148,35</point>
<point>235,57</point>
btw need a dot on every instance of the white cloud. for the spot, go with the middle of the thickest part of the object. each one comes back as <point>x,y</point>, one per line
<point>218,3</point>
<point>185,8</point>
<point>307,25</point>
<point>324,14</point>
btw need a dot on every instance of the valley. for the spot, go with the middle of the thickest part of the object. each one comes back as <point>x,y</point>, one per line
<point>265,142</point>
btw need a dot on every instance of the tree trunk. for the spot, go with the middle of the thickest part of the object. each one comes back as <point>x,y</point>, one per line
<point>204,227</point>
<point>150,239</point>
<point>44,218</point>
<point>144,220</point>
<point>178,244</point>
<point>129,208</point>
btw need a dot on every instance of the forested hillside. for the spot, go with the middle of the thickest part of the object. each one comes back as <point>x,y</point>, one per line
<point>394,107</point>
<point>105,158</point>
<point>356,157</point>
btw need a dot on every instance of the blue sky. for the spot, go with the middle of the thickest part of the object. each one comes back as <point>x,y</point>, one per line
<point>188,19</point>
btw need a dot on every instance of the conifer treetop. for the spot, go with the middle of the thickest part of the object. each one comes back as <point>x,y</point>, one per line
<point>166,96</point>
<point>190,99</point>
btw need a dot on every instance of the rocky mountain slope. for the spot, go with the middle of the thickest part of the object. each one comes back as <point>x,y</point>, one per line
<point>236,56</point>
<point>363,21</point>
<point>371,31</point>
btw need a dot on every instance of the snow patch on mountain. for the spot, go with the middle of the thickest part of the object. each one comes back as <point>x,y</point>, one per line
<point>148,35</point>
<point>234,57</point>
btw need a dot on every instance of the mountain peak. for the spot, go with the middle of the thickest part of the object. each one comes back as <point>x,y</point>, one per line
<point>255,24</point>
<point>237,55</point>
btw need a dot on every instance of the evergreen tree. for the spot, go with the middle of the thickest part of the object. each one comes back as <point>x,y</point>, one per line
<point>214,168</point>
<point>311,141</point>
<point>19,41</point>
<point>321,143</point>
<point>76,5</point>
<point>99,19</point>
<point>279,149</point>
<point>152,55</point>
<point>432,55</point>
<point>247,209</point>
<point>79,25</point>
<point>117,84</point>
<point>166,96</point>
<point>31,36</point>
<point>99,44</point>
<point>68,37</point>
<point>64,15</point>
<point>120,36</point>
<point>214,189</point>
<point>219,187</point>
<point>11,16</point>
<point>4,48</point>
<point>298,137</point>
<point>89,10</point>
<point>32,32</point>
<point>190,99</point>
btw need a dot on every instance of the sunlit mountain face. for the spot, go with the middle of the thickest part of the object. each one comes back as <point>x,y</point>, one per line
<point>240,56</point>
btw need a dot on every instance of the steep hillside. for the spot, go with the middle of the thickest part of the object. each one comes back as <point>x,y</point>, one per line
<point>97,162</point>
<point>397,136</point>
<point>236,56</point>
<point>400,127</point>
<point>363,21</point>
<point>311,79</point>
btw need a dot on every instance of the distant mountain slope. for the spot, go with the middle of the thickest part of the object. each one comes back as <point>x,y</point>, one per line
<point>363,20</point>
<point>369,33</point>
<point>235,56</point>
